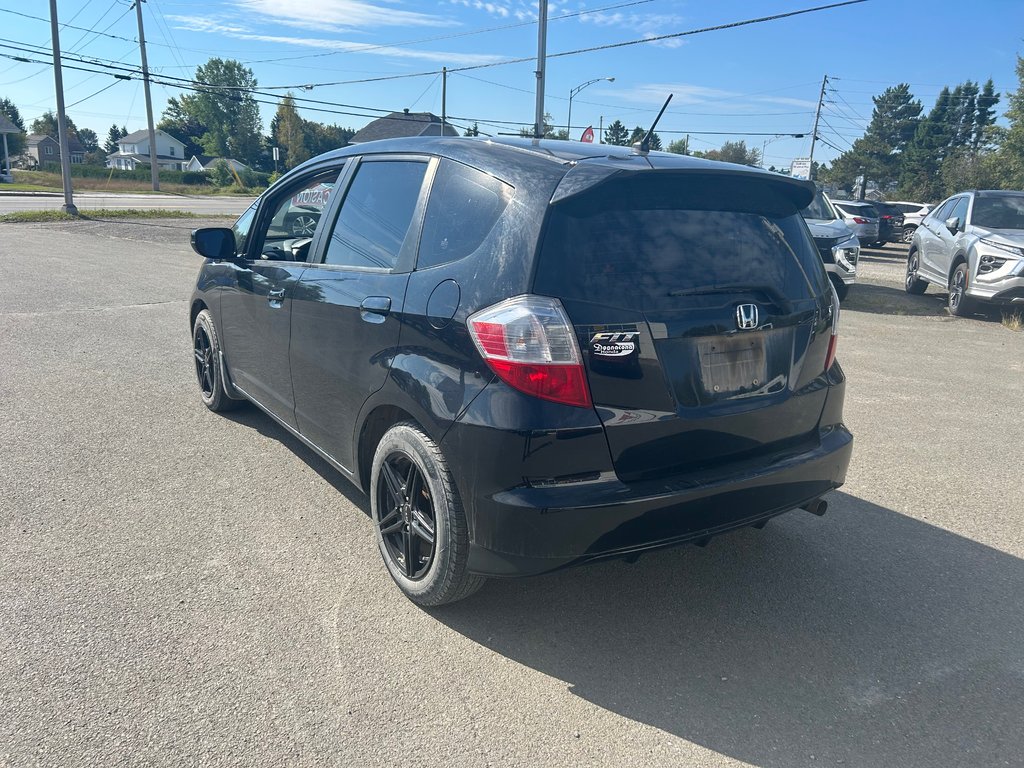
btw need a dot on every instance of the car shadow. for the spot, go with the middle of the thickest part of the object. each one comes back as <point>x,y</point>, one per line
<point>866,638</point>
<point>885,300</point>
<point>250,416</point>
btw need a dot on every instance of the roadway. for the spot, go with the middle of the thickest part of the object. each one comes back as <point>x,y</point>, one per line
<point>11,202</point>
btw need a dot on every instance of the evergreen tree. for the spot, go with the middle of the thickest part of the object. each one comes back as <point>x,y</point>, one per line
<point>616,134</point>
<point>1010,157</point>
<point>288,133</point>
<point>679,147</point>
<point>113,135</point>
<point>472,131</point>
<point>984,115</point>
<point>735,152</point>
<point>89,139</point>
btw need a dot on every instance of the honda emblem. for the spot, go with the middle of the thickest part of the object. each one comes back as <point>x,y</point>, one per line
<point>746,316</point>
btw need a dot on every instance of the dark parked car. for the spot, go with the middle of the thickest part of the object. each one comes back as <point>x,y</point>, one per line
<point>890,223</point>
<point>534,354</point>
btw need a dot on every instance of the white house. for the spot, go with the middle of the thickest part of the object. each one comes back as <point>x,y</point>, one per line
<point>204,163</point>
<point>133,151</point>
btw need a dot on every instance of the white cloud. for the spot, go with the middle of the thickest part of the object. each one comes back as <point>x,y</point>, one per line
<point>341,14</point>
<point>230,29</point>
<point>786,100</point>
<point>682,93</point>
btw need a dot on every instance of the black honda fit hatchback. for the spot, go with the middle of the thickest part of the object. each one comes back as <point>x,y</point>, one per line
<point>533,354</point>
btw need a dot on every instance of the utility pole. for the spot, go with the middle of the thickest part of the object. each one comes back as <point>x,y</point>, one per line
<point>542,42</point>
<point>153,165</point>
<point>444,97</point>
<point>600,131</point>
<point>814,133</point>
<point>62,127</point>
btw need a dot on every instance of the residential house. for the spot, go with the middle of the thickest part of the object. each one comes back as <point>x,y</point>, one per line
<point>41,149</point>
<point>133,151</point>
<point>204,162</point>
<point>402,125</point>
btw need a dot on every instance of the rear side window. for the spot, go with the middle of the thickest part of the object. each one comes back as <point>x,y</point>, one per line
<point>464,206</point>
<point>618,248</point>
<point>376,214</point>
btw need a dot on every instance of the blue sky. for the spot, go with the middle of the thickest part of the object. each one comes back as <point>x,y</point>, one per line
<point>759,79</point>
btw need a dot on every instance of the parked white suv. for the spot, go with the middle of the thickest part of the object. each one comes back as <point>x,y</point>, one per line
<point>972,245</point>
<point>913,215</point>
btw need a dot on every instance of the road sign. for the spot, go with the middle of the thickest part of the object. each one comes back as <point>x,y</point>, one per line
<point>800,168</point>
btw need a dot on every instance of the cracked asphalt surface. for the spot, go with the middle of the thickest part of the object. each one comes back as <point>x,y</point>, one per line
<point>182,589</point>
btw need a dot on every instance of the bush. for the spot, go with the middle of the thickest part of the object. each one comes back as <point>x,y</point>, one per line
<point>192,178</point>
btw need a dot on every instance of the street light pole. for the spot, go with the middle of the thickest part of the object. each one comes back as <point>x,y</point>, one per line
<point>62,128</point>
<point>573,92</point>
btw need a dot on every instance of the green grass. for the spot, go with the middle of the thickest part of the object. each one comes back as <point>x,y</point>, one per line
<point>26,187</point>
<point>21,217</point>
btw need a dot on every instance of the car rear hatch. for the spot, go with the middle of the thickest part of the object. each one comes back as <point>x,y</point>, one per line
<point>702,309</point>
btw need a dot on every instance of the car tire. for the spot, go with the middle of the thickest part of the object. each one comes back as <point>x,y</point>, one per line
<point>842,289</point>
<point>879,244</point>
<point>206,350</point>
<point>914,284</point>
<point>908,235</point>
<point>418,519</point>
<point>959,304</point>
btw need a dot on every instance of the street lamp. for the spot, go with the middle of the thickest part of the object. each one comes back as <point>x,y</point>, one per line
<point>577,89</point>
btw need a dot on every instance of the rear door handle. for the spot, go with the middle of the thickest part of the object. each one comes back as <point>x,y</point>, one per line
<point>373,309</point>
<point>276,298</point>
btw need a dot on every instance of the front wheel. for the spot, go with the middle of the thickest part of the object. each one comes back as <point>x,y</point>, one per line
<point>418,519</point>
<point>913,283</point>
<point>206,350</point>
<point>959,303</point>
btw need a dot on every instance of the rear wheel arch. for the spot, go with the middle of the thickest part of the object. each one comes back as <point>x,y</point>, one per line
<point>960,258</point>
<point>373,428</point>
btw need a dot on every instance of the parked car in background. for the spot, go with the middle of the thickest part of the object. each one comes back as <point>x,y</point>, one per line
<point>837,245</point>
<point>862,218</point>
<point>890,223</point>
<point>913,215</point>
<point>534,354</point>
<point>972,245</point>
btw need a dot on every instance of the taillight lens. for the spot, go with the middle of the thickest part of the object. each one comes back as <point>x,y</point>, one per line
<point>833,341</point>
<point>859,220</point>
<point>529,343</point>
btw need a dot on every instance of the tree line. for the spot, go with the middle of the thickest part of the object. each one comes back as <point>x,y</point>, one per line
<point>954,146</point>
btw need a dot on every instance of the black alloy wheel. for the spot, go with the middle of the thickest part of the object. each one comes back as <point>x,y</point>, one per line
<point>407,524</point>
<point>204,362</point>
<point>207,359</point>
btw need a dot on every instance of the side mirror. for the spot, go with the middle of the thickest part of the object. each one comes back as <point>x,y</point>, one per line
<point>953,224</point>
<point>214,242</point>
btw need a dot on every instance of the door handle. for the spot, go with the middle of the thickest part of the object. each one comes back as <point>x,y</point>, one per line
<point>373,309</point>
<point>275,295</point>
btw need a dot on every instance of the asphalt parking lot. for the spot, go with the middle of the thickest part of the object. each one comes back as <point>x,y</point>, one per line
<point>179,588</point>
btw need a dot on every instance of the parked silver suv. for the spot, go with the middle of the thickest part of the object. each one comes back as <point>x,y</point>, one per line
<point>913,215</point>
<point>972,244</point>
<point>837,245</point>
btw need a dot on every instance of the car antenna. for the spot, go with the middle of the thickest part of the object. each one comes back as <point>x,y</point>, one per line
<point>644,146</point>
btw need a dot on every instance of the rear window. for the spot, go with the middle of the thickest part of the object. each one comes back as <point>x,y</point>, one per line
<point>645,251</point>
<point>819,209</point>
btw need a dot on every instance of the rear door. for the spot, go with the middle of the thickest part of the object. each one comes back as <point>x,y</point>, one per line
<point>704,314</point>
<point>940,256</point>
<point>348,305</point>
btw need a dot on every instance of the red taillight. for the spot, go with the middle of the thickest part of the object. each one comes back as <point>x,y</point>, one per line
<point>859,220</point>
<point>529,343</point>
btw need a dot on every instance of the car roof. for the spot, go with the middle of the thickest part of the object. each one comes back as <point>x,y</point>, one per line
<point>526,159</point>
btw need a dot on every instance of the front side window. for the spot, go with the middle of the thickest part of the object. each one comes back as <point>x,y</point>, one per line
<point>376,214</point>
<point>942,212</point>
<point>960,211</point>
<point>241,227</point>
<point>285,232</point>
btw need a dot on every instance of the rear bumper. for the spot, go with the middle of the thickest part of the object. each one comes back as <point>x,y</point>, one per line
<point>529,530</point>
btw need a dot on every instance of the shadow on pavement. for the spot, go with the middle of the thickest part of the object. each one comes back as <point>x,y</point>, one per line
<point>867,638</point>
<point>252,417</point>
<point>885,300</point>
